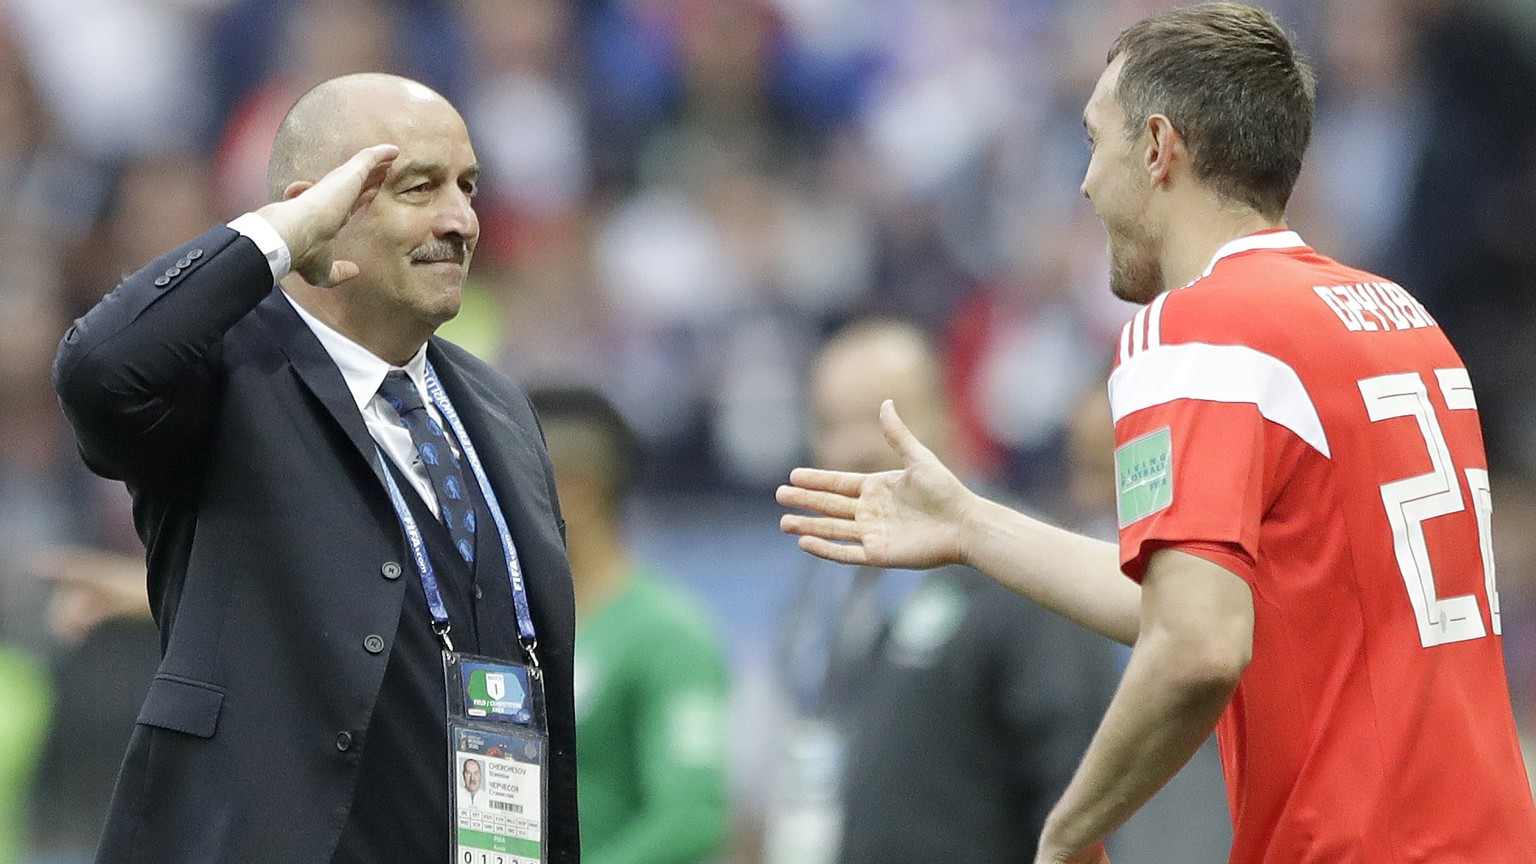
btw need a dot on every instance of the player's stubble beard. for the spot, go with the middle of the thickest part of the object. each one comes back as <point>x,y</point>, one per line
<point>1135,268</point>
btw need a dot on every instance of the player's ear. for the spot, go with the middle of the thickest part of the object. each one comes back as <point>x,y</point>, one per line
<point>1164,146</point>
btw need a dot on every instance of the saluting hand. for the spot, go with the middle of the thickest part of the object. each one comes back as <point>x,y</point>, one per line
<point>910,518</point>
<point>311,214</point>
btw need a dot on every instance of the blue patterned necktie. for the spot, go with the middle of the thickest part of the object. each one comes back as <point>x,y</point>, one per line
<point>454,506</point>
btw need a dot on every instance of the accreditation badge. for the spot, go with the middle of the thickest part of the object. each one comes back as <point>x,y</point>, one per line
<point>498,742</point>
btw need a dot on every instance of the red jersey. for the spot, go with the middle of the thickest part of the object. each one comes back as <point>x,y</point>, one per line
<point>1308,427</point>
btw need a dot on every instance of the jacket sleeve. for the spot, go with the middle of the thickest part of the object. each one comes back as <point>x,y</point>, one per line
<point>137,376</point>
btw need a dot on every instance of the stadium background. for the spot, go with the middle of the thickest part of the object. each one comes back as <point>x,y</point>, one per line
<point>682,198</point>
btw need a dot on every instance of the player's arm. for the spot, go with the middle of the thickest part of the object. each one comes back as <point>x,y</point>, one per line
<point>922,516</point>
<point>1075,576</point>
<point>1196,640</point>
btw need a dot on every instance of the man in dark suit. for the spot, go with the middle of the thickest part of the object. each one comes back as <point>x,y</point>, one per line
<point>299,712</point>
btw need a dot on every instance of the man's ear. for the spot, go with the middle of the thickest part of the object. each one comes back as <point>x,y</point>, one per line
<point>1165,146</point>
<point>293,189</point>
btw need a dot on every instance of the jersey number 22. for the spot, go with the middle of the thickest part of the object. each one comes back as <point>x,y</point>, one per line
<point>1413,500</point>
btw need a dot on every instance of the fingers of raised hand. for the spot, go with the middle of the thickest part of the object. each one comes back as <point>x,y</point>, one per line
<point>840,482</point>
<point>837,552</point>
<point>356,181</point>
<point>899,436</point>
<point>826,503</point>
<point>820,526</point>
<point>341,271</point>
<point>376,162</point>
<point>370,164</point>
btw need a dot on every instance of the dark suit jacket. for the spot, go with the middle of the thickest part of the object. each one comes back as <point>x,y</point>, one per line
<point>275,556</point>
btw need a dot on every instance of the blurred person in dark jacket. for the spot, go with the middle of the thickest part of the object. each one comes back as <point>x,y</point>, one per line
<point>960,709</point>
<point>100,614</point>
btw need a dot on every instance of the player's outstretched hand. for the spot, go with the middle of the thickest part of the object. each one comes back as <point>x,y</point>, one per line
<point>310,216</point>
<point>910,518</point>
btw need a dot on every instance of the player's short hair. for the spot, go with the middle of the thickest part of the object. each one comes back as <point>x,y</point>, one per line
<point>612,449</point>
<point>1229,80</point>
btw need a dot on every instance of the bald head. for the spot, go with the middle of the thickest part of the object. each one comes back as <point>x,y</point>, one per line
<point>336,119</point>
<point>860,367</point>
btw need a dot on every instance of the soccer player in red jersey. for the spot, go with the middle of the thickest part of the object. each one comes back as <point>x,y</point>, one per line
<point>1302,489</point>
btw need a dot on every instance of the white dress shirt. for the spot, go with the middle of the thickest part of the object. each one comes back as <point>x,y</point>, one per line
<point>362,370</point>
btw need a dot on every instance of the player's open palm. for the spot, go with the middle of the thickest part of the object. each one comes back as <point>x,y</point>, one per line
<point>909,518</point>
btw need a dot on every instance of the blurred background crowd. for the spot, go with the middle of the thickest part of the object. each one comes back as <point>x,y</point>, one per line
<point>682,200</point>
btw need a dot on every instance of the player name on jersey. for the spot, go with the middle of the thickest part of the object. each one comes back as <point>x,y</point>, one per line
<point>1375,306</point>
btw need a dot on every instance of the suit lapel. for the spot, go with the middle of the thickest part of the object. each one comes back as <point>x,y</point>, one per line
<point>318,373</point>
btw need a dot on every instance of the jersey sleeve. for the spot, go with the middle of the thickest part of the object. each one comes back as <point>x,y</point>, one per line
<point>1189,473</point>
<point>1206,422</point>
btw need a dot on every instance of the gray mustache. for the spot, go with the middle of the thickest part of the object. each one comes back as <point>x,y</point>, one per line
<point>438,251</point>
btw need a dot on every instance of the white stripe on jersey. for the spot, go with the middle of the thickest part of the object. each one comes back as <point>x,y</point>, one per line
<point>1155,321</point>
<point>1143,332</point>
<point>1217,373</point>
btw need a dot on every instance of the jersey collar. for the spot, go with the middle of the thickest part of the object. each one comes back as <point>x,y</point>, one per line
<point>1274,239</point>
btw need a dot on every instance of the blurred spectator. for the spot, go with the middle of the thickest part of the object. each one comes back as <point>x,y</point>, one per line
<point>1370,132</point>
<point>318,40</point>
<point>46,192</point>
<point>964,710</point>
<point>33,500</point>
<point>122,77</point>
<point>24,693</point>
<point>30,294</point>
<point>100,612</point>
<point>530,304</point>
<point>726,257</point>
<point>152,203</point>
<point>1514,538</point>
<point>650,670</point>
<point>523,110</point>
<point>1464,246</point>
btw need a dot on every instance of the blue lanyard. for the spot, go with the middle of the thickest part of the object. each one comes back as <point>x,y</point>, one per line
<point>526,634</point>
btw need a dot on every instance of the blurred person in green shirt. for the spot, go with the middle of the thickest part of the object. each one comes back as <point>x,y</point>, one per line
<point>650,671</point>
<point>24,706</point>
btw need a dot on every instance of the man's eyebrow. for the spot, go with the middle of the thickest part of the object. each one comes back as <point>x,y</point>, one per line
<point>415,167</point>
<point>421,168</point>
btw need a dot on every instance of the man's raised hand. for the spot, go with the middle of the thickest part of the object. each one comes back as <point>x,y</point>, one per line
<point>911,518</point>
<point>311,214</point>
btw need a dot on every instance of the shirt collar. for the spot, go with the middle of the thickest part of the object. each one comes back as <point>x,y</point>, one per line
<point>363,370</point>
<point>1272,239</point>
